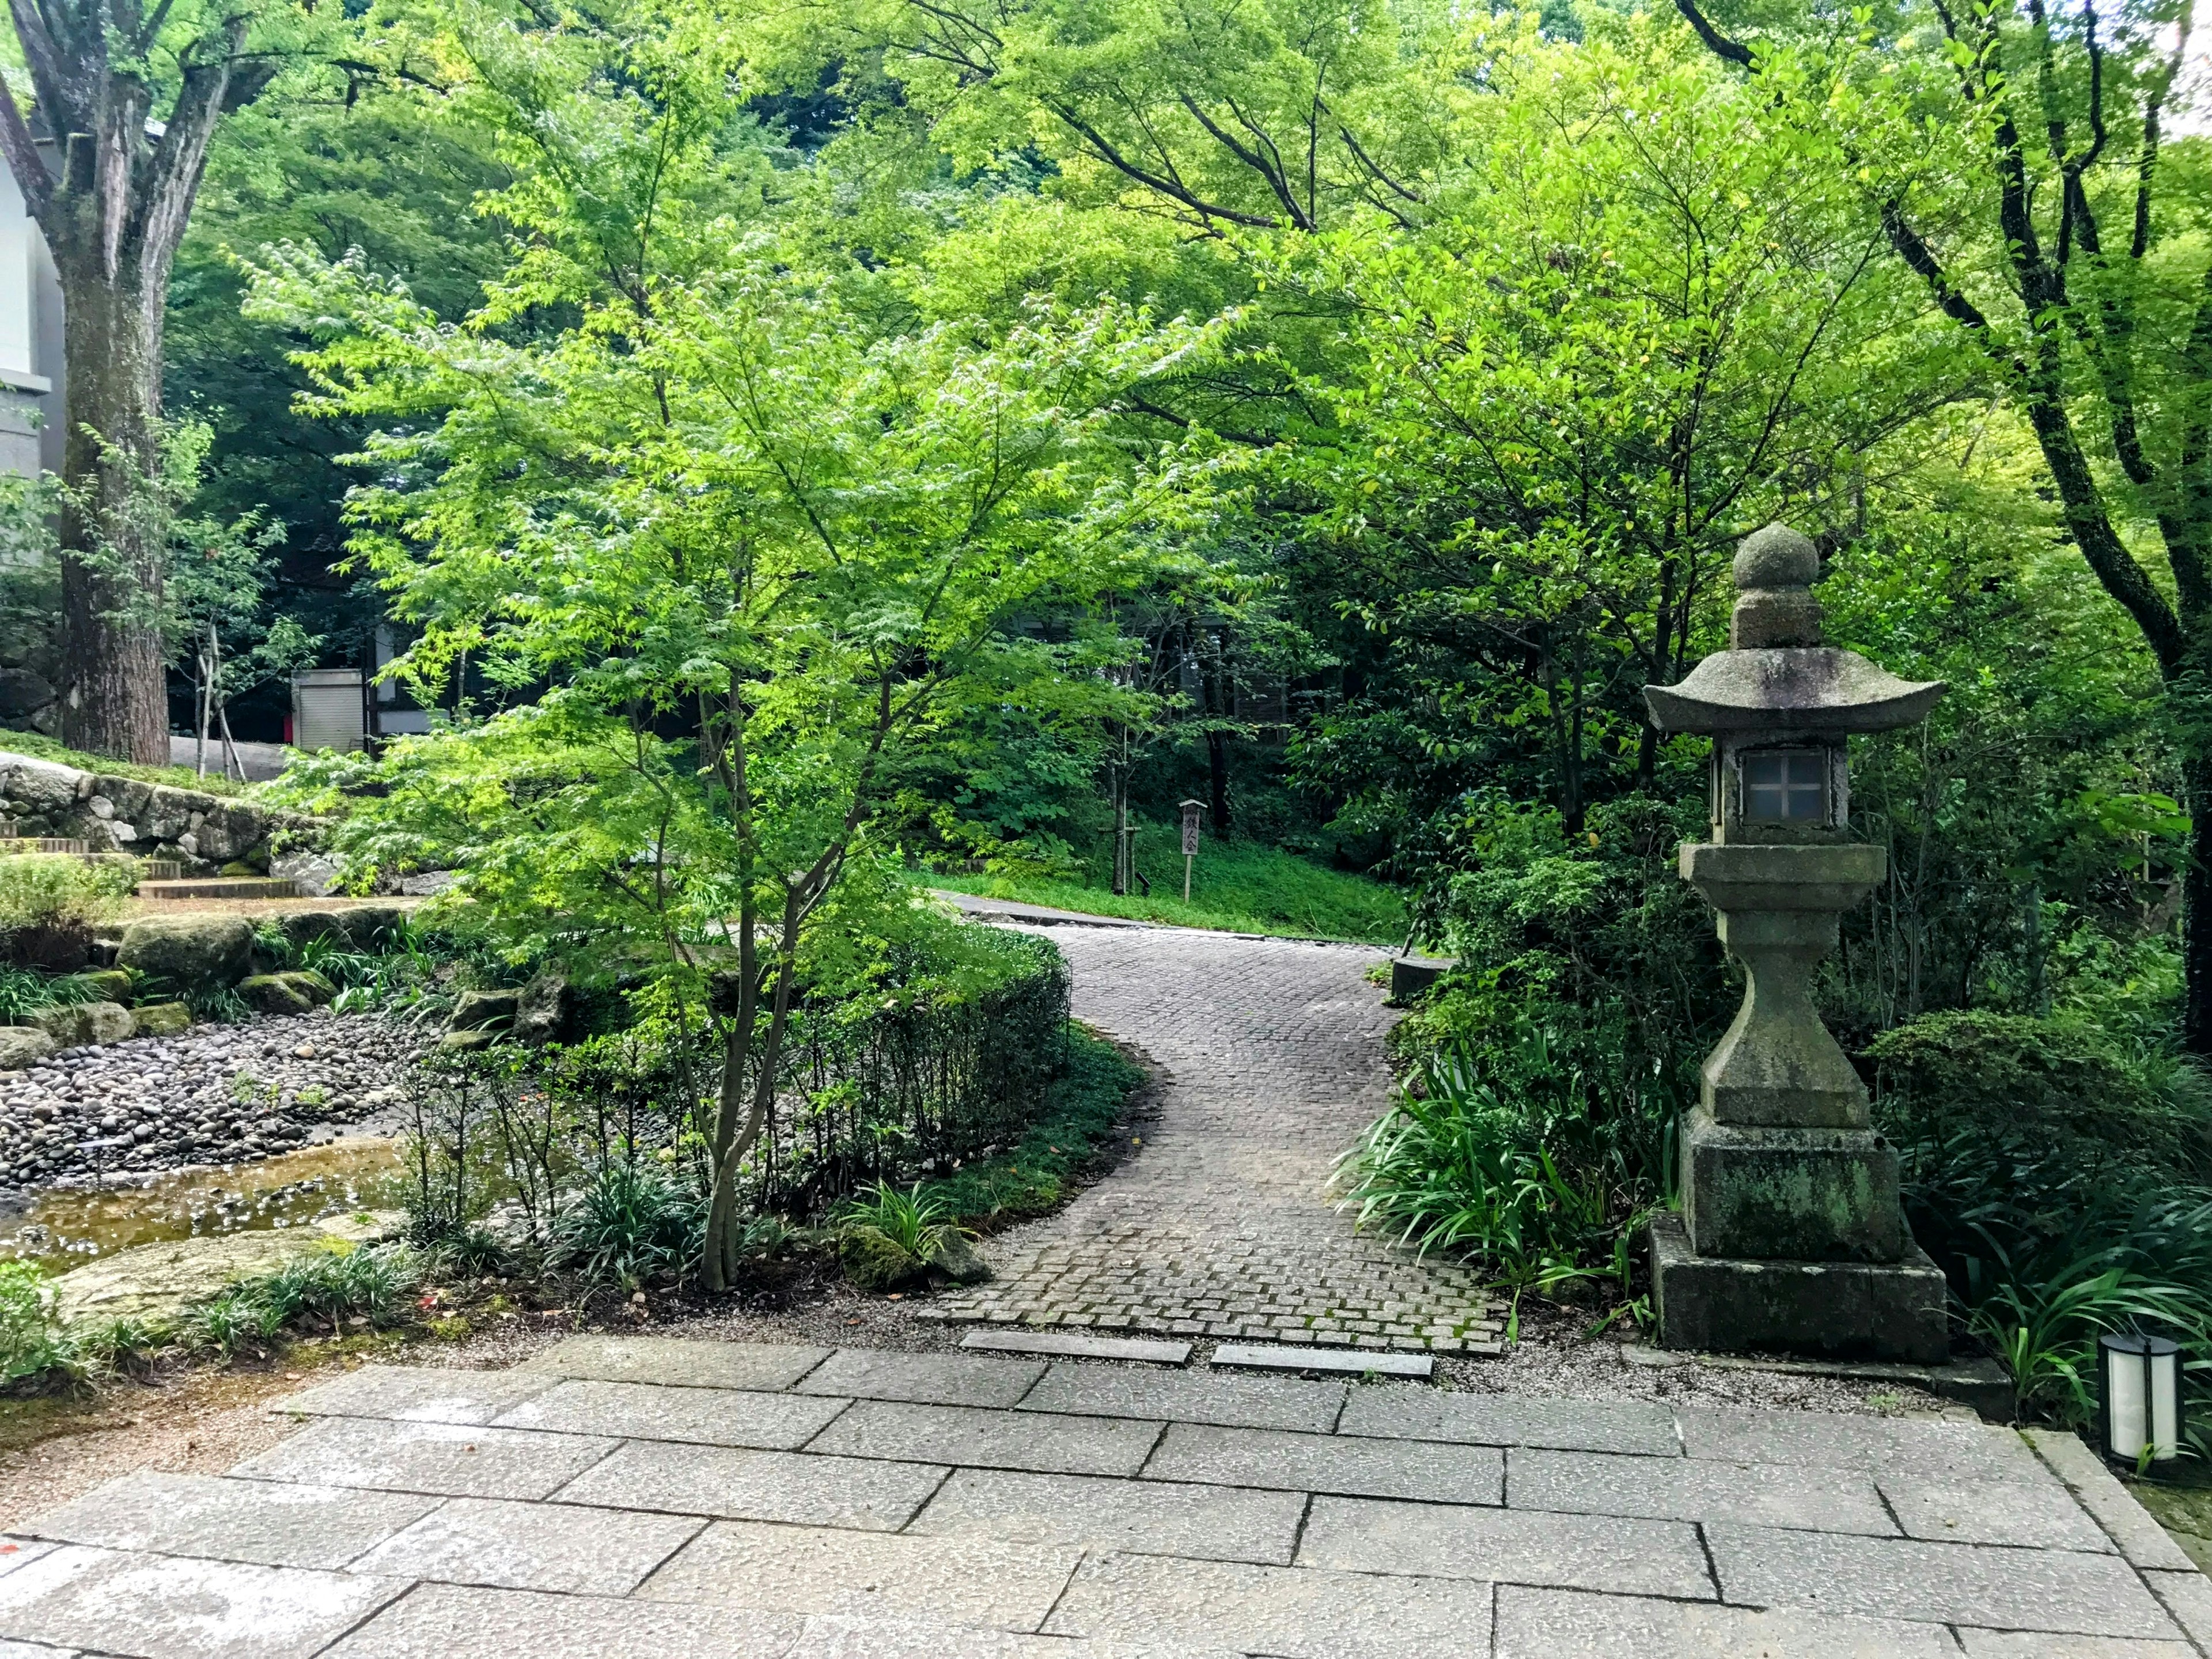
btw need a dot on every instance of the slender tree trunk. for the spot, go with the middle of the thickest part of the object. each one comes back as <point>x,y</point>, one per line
<point>114,696</point>
<point>1218,697</point>
<point>2196,907</point>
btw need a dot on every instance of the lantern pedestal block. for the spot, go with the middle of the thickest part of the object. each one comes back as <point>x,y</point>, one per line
<point>1879,1310</point>
<point>1810,1194</point>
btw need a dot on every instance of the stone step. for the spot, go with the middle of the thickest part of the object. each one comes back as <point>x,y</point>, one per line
<point>14,846</point>
<point>221,887</point>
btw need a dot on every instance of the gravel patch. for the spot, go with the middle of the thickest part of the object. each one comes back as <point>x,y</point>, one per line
<point>218,1093</point>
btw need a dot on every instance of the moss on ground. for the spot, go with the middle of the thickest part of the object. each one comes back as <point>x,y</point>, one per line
<point>182,777</point>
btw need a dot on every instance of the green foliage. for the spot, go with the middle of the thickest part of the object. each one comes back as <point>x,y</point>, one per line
<point>328,1290</point>
<point>32,1346</point>
<point>1082,1108</point>
<point>1540,1178</point>
<point>39,746</point>
<point>49,902</point>
<point>22,989</point>
<point>886,1237</point>
<point>629,1225</point>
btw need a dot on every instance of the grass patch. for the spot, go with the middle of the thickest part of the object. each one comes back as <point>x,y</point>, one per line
<point>40,747</point>
<point>1080,1114</point>
<point>1238,886</point>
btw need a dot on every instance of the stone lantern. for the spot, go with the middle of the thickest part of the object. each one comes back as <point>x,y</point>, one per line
<point>1790,1236</point>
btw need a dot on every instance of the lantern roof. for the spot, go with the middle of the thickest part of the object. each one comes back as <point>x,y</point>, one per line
<point>1777,676</point>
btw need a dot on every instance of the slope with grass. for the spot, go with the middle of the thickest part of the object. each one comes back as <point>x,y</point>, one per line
<point>1238,886</point>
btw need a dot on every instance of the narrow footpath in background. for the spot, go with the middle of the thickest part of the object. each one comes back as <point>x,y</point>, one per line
<point>1271,1058</point>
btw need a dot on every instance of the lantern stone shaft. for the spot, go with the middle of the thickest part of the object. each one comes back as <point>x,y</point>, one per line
<point>1791,1236</point>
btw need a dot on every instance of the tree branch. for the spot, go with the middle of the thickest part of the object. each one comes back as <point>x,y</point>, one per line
<point>1716,43</point>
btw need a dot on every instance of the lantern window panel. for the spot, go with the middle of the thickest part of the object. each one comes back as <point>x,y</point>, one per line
<point>1785,786</point>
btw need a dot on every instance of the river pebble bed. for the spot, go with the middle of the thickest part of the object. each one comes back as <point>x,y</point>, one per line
<point>218,1093</point>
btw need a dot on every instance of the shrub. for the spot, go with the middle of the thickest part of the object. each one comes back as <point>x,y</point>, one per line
<point>629,1225</point>
<point>49,902</point>
<point>22,989</point>
<point>1525,1179</point>
<point>34,1347</point>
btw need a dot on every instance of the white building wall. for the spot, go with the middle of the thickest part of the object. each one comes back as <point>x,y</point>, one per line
<point>33,420</point>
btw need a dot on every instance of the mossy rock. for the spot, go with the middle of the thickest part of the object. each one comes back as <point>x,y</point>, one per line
<point>467,1042</point>
<point>188,955</point>
<point>295,993</point>
<point>874,1260</point>
<point>954,1258</point>
<point>108,984</point>
<point>83,1024</point>
<point>479,1011</point>
<point>162,1019</point>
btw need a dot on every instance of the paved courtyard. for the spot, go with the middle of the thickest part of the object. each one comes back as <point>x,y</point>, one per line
<point>1220,1228</point>
<point>648,1499</point>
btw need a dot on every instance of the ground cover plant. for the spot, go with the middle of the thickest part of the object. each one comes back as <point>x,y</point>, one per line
<point>1240,886</point>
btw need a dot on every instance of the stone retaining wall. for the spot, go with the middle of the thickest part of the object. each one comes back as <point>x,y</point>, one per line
<point>203,832</point>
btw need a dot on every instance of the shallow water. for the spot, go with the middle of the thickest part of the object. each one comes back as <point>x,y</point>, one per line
<point>64,1230</point>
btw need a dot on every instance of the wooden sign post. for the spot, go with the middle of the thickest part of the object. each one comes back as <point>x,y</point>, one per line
<point>1191,808</point>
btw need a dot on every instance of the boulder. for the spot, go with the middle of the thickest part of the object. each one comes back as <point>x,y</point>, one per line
<point>38,786</point>
<point>467,1042</point>
<point>479,1011</point>
<point>315,875</point>
<point>957,1260</point>
<point>369,927</point>
<point>81,1025</point>
<point>23,692</point>
<point>187,955</point>
<point>162,1019</point>
<point>546,1013</point>
<point>294,992</point>
<point>22,1046</point>
<point>424,883</point>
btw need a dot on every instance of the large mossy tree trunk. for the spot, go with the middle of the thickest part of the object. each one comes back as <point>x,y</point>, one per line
<point>113,208</point>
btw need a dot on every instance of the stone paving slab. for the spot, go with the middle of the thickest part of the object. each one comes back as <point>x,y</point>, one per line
<point>829,1637</point>
<point>733,1484</point>
<point>955,1581</point>
<point>1552,1624</point>
<point>1498,1419</point>
<point>1902,1448</point>
<point>536,1546</point>
<point>1296,1613</point>
<point>1068,1345</point>
<point>34,1651</point>
<point>1155,1517</point>
<point>2098,1490</point>
<point>2038,1645</point>
<point>1962,1584</point>
<point>2040,1517</point>
<point>1279,1357</point>
<point>709,1417</point>
<point>445,1458</point>
<point>440,1621</point>
<point>21,1553</point>
<point>936,1379</point>
<point>674,1362</point>
<point>1688,1489</point>
<point>2188,1598</point>
<point>1527,1547</point>
<point>1330,1463</point>
<point>418,1395</point>
<point>1048,1444</point>
<point>1247,1402</point>
<point>267,1523</point>
<point>161,1606</point>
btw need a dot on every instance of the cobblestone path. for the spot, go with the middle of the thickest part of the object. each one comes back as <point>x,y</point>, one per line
<point>1219,1227</point>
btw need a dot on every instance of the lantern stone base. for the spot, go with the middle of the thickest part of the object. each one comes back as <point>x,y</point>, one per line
<point>1801,1195</point>
<point>1736,1304</point>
